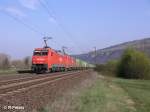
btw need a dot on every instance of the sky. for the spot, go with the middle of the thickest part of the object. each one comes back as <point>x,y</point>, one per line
<point>80,25</point>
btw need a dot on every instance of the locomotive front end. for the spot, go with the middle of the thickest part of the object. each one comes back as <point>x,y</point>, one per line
<point>40,60</point>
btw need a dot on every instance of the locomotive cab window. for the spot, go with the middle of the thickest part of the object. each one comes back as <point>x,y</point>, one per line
<point>40,53</point>
<point>37,53</point>
<point>44,53</point>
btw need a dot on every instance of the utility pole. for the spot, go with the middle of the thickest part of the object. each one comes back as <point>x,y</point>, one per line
<point>63,49</point>
<point>45,40</point>
<point>144,44</point>
<point>95,54</point>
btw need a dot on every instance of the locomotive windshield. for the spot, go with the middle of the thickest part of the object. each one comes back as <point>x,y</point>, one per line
<point>40,53</point>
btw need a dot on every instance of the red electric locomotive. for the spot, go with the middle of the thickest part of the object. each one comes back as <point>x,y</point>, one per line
<point>47,59</point>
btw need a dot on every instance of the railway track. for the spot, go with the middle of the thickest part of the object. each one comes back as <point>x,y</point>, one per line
<point>20,84</point>
<point>26,77</point>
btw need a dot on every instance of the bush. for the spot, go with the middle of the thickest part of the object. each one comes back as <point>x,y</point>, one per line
<point>112,66</point>
<point>134,64</point>
<point>100,67</point>
<point>108,69</point>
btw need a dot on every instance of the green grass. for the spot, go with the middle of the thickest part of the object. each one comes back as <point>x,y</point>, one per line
<point>110,94</point>
<point>43,109</point>
<point>139,90</point>
<point>104,96</point>
<point>115,95</point>
<point>14,71</point>
<point>3,72</point>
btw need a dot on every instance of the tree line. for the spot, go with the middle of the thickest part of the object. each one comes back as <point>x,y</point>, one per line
<point>133,64</point>
<point>6,63</point>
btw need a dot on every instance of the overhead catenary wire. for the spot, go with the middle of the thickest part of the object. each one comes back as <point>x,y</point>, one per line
<point>34,29</point>
<point>28,25</point>
<point>52,15</point>
<point>25,24</point>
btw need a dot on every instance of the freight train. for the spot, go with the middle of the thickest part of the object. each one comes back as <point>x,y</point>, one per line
<point>47,59</point>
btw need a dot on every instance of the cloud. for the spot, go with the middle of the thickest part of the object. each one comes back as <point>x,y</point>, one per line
<point>14,11</point>
<point>30,4</point>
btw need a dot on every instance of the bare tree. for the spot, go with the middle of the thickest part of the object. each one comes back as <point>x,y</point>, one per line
<point>18,64</point>
<point>4,61</point>
<point>27,62</point>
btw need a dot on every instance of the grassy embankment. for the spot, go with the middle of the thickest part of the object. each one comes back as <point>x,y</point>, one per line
<point>14,71</point>
<point>4,72</point>
<point>139,91</point>
<point>115,95</point>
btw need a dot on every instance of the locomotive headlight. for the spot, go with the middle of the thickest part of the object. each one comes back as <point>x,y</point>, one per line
<point>40,59</point>
<point>60,59</point>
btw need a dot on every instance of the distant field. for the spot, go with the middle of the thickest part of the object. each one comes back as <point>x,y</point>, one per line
<point>14,71</point>
<point>115,95</point>
<point>3,72</point>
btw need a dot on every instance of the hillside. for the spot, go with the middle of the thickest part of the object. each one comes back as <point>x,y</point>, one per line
<point>114,52</point>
